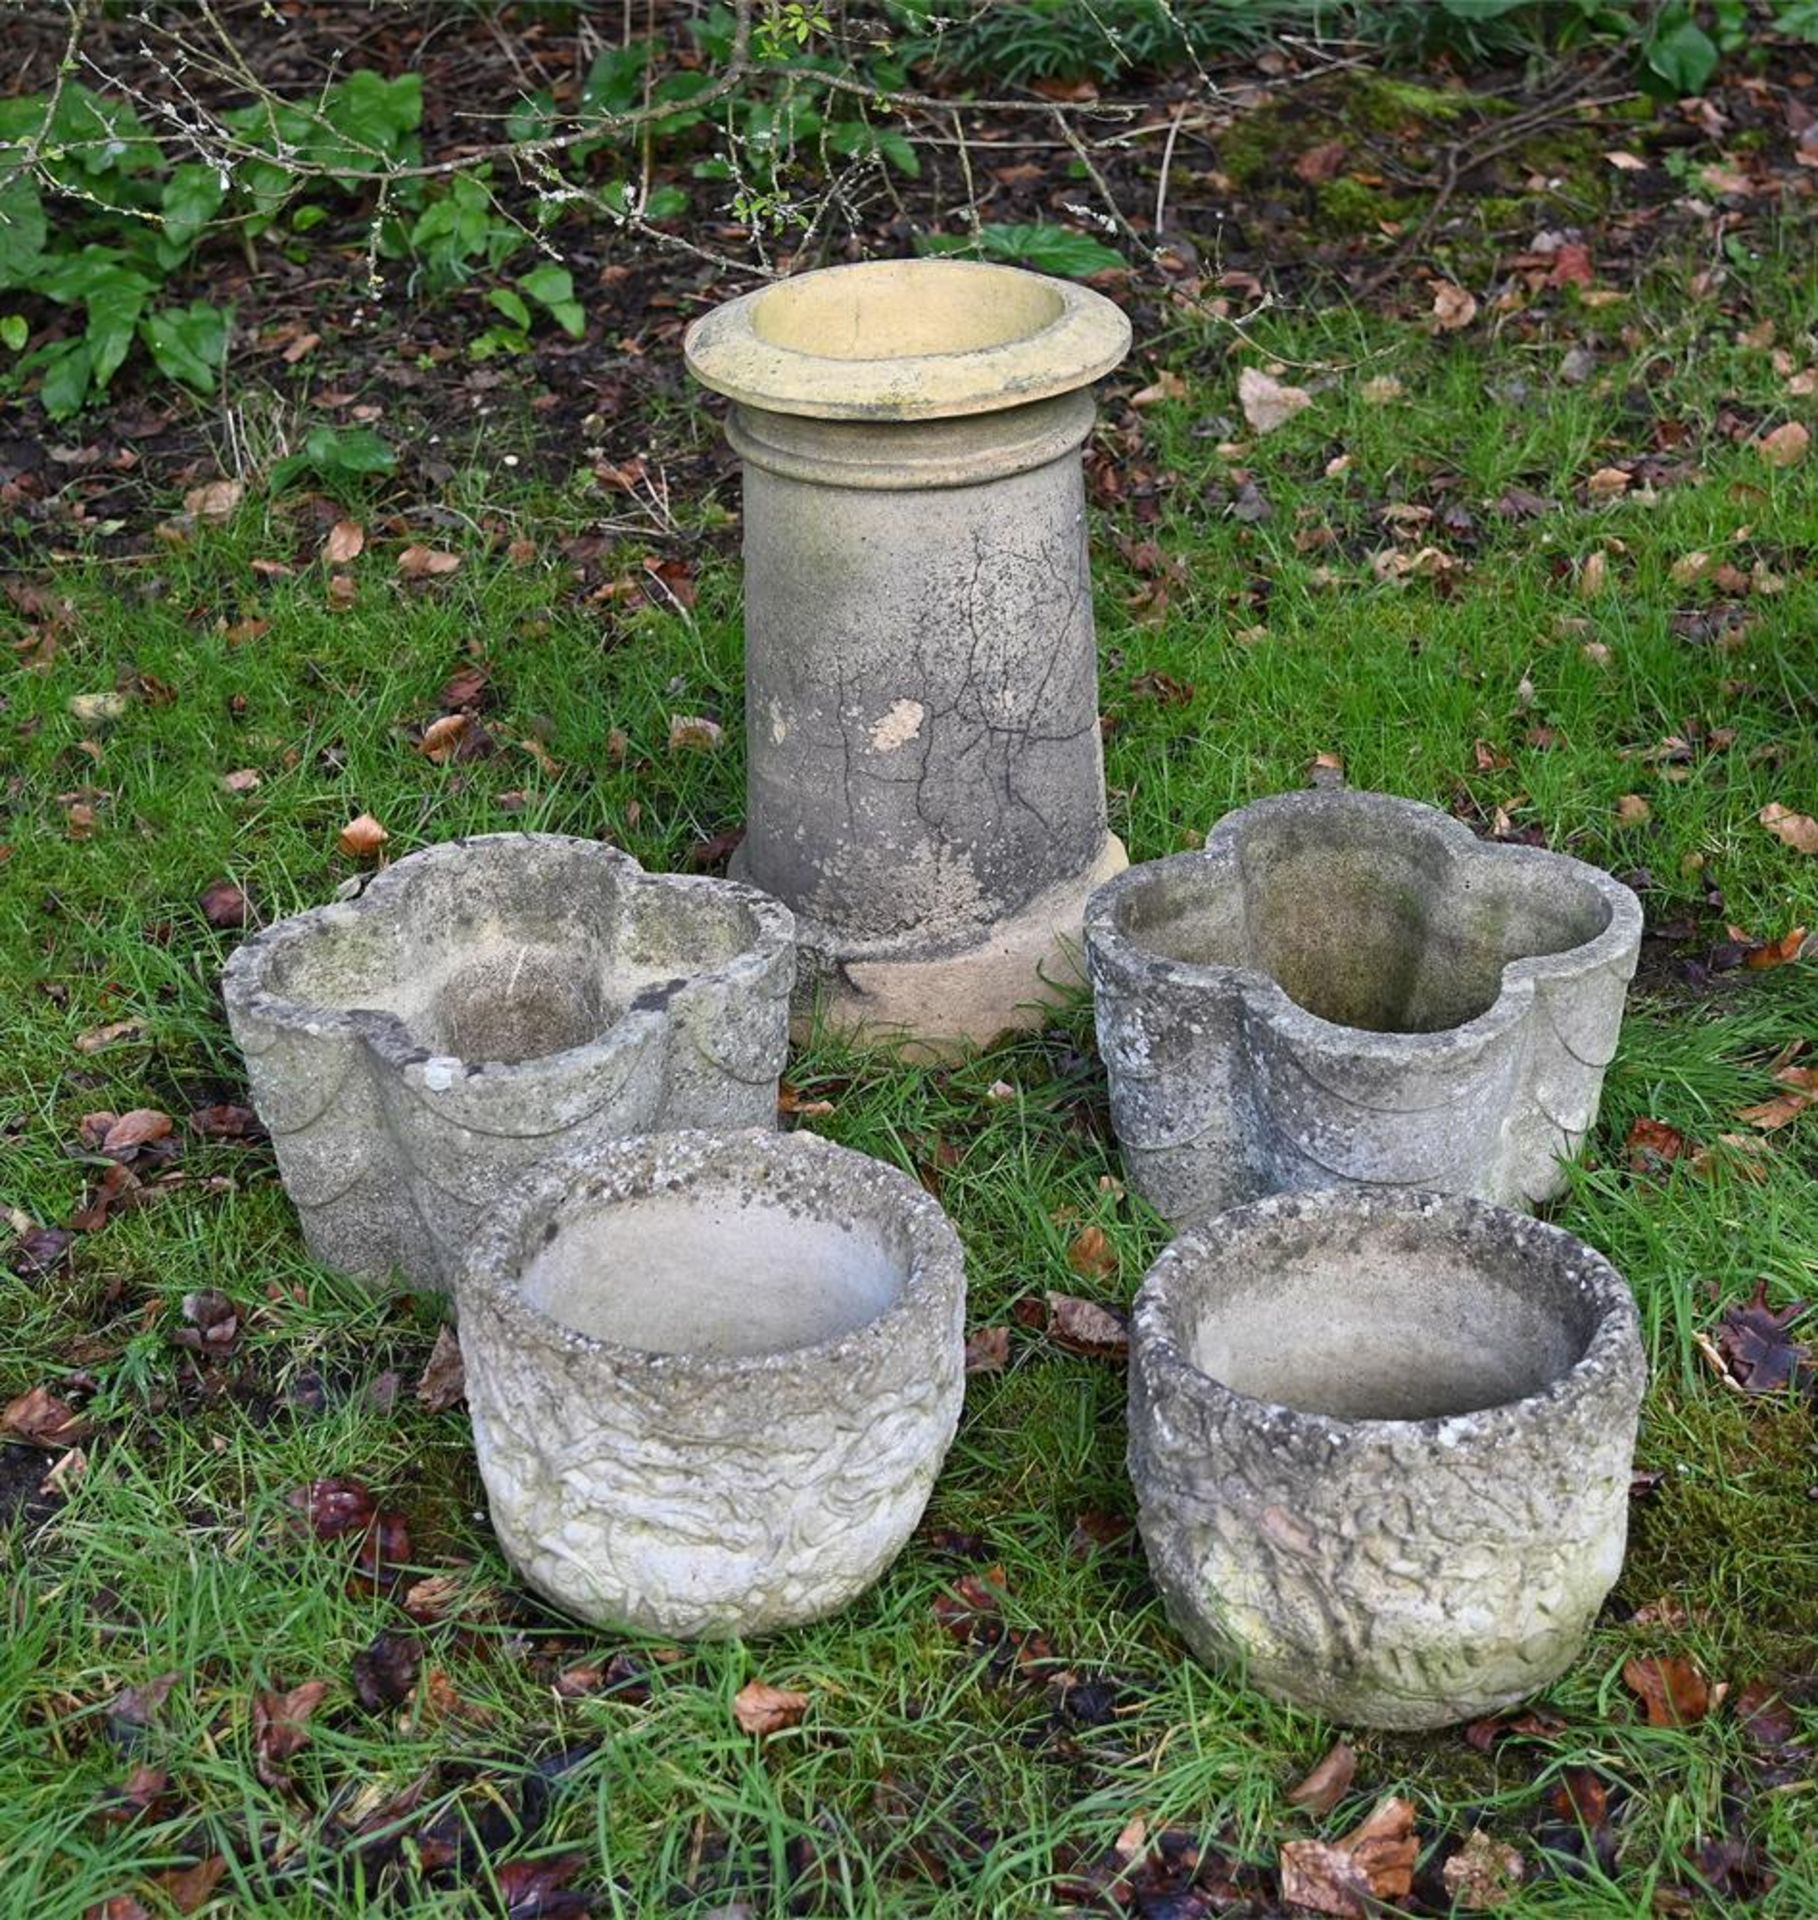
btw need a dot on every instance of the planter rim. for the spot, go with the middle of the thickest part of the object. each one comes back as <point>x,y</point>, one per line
<point>1266,995</point>
<point>1613,1344</point>
<point>387,892</point>
<point>1054,337</point>
<point>639,1166</point>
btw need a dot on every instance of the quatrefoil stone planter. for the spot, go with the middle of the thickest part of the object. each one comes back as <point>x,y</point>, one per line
<point>1381,1445</point>
<point>925,781</point>
<point>480,1005</point>
<point>1352,989</point>
<point>712,1377</point>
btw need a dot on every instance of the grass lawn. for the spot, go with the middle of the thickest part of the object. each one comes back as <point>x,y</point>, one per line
<point>949,1763</point>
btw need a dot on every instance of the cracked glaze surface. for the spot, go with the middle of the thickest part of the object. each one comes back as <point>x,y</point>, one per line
<point>1396,1572</point>
<point>483,1002</point>
<point>733,1491</point>
<point>1351,989</point>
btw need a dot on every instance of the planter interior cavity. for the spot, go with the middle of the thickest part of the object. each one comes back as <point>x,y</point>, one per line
<point>1389,1327</point>
<point>723,1279</point>
<point>1349,988</point>
<point>1381,1445</point>
<point>483,1002</point>
<point>712,1377</point>
<point>925,779</point>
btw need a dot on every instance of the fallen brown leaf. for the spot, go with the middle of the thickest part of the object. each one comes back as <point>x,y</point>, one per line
<point>1593,575</point>
<point>1673,1690</point>
<point>694,733</point>
<point>1483,1874</point>
<point>1770,1115</point>
<point>988,1350</point>
<point>1753,1347</point>
<point>42,1420</point>
<point>1328,1783</point>
<point>419,562</point>
<point>189,1889</point>
<point>215,499</point>
<point>1786,445</point>
<point>763,1709</point>
<point>1608,483</point>
<point>442,736</point>
<point>1652,1142</point>
<point>223,905</point>
<point>1092,1255</point>
<point>1453,307</point>
<point>281,1730</point>
<point>1266,403</point>
<point>444,1381</point>
<point>1633,811</point>
<point>1348,1877</point>
<point>362,837</point>
<point>1079,1326</point>
<point>1798,830</point>
<point>1321,163</point>
<point>346,541</point>
<point>136,1129</point>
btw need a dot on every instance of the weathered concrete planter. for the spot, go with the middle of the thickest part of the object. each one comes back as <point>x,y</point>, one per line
<point>1352,989</point>
<point>1381,1446</point>
<point>482,1003</point>
<point>712,1377</point>
<point>926,786</point>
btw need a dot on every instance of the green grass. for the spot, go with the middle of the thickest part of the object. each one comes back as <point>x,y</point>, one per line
<point>919,1783</point>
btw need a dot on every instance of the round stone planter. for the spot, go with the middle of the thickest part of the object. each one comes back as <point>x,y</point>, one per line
<point>1381,1446</point>
<point>712,1377</point>
<point>482,1003</point>
<point>926,786</point>
<point>1352,989</point>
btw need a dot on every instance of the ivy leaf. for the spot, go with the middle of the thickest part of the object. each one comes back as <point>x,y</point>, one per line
<point>504,301</point>
<point>66,381</point>
<point>189,343</point>
<point>1048,249</point>
<point>1681,52</point>
<point>22,230</point>
<point>114,299</point>
<point>14,331</point>
<point>192,197</point>
<point>333,452</point>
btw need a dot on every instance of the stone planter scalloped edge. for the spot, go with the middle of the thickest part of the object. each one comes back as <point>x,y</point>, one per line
<point>1224,1089</point>
<point>392,1150</point>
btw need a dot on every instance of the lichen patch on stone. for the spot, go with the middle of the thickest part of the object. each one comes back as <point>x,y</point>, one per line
<point>899,726</point>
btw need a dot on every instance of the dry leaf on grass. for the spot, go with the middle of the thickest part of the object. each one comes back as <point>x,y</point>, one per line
<point>1092,1255</point>
<point>1633,811</point>
<point>1672,1689</point>
<point>763,1709</point>
<point>136,1129</point>
<point>1266,403</point>
<point>215,499</point>
<point>1786,445</point>
<point>1593,575</point>
<point>444,1381</point>
<point>988,1350</point>
<point>1452,307</point>
<point>1483,1874</point>
<point>694,733</point>
<point>362,838</point>
<point>1348,1877</point>
<point>346,541</point>
<point>281,1729</point>
<point>442,736</point>
<point>1607,483</point>
<point>42,1420</point>
<point>1328,1783</point>
<point>419,562</point>
<point>1798,830</point>
<point>1079,1326</point>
